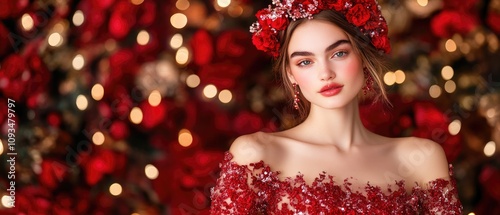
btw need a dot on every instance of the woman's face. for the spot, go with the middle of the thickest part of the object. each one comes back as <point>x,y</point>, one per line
<point>323,63</point>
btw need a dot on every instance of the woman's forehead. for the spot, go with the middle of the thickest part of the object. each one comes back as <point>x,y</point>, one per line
<point>315,35</point>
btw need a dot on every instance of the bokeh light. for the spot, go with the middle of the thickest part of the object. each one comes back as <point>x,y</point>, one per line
<point>176,41</point>
<point>136,115</point>
<point>151,171</point>
<point>490,149</point>
<point>389,78</point>
<point>435,91</point>
<point>450,86</point>
<point>115,189</point>
<point>78,18</point>
<point>447,72</point>
<point>223,3</point>
<point>98,138</point>
<point>27,22</point>
<point>210,91</point>
<point>400,76</point>
<point>182,56</point>
<point>185,138</point>
<point>193,81</point>
<point>182,4</point>
<point>225,96</point>
<point>154,98</point>
<point>81,102</point>
<point>55,39</point>
<point>450,45</point>
<point>78,62</point>
<point>143,37</point>
<point>178,20</point>
<point>454,127</point>
<point>97,92</point>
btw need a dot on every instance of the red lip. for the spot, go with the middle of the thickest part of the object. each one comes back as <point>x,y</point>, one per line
<point>331,89</point>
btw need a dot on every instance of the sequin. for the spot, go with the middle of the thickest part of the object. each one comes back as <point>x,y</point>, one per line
<point>255,189</point>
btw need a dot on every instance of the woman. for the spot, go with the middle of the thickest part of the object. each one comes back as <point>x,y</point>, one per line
<point>328,52</point>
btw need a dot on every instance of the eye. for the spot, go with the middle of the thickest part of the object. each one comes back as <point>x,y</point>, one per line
<point>304,63</point>
<point>340,54</point>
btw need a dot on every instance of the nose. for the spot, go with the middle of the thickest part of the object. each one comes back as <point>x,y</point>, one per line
<point>326,73</point>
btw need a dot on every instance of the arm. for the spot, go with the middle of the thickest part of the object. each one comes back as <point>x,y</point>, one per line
<point>234,192</point>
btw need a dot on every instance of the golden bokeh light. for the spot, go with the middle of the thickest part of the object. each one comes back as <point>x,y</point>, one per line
<point>223,3</point>
<point>143,37</point>
<point>185,138</point>
<point>136,2</point>
<point>225,96</point>
<point>450,45</point>
<point>435,91</point>
<point>182,4</point>
<point>136,115</point>
<point>447,72</point>
<point>1,147</point>
<point>490,149</point>
<point>97,92</point>
<point>115,189</point>
<point>182,56</point>
<point>178,20</point>
<point>154,98</point>
<point>81,102</point>
<point>55,39</point>
<point>151,171</point>
<point>400,76</point>
<point>235,11</point>
<point>27,22</point>
<point>98,138</point>
<point>389,78</point>
<point>423,3</point>
<point>454,127</point>
<point>450,86</point>
<point>176,41</point>
<point>78,18</point>
<point>78,62</point>
<point>210,91</point>
<point>7,201</point>
<point>193,81</point>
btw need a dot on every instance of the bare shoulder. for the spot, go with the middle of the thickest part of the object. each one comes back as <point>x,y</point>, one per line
<point>248,148</point>
<point>425,158</point>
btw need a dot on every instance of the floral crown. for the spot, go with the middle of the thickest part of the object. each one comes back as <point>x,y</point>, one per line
<point>364,14</point>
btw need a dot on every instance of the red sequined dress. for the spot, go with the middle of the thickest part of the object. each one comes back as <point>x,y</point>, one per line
<point>266,194</point>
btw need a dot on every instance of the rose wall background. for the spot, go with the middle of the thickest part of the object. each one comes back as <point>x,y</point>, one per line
<point>126,106</point>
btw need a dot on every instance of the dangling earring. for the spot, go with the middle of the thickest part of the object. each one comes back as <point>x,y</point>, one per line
<point>369,81</point>
<point>296,99</point>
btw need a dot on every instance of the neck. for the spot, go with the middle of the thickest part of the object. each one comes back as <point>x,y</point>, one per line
<point>341,127</point>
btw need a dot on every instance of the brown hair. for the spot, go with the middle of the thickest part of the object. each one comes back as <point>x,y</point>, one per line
<point>371,58</point>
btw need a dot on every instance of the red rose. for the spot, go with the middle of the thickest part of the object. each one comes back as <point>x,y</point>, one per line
<point>280,23</point>
<point>203,49</point>
<point>448,23</point>
<point>358,15</point>
<point>122,19</point>
<point>382,42</point>
<point>337,5</point>
<point>267,42</point>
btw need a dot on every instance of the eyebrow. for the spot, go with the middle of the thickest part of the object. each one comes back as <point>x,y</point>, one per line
<point>329,48</point>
